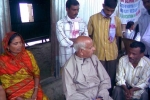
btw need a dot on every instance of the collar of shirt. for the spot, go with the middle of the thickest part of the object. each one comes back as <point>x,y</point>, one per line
<point>140,64</point>
<point>71,20</point>
<point>78,59</point>
<point>82,60</point>
<point>146,13</point>
<point>101,17</point>
<point>104,15</point>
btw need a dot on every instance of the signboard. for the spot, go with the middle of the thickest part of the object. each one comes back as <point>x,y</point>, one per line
<point>129,10</point>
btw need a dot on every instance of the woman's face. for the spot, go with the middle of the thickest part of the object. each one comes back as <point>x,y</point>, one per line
<point>15,46</point>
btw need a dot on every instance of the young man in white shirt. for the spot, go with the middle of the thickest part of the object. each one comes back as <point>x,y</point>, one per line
<point>68,29</point>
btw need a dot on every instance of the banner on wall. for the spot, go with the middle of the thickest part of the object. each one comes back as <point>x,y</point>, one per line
<point>130,10</point>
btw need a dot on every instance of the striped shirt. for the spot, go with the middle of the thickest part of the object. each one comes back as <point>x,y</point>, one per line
<point>98,26</point>
<point>63,33</point>
<point>135,77</point>
<point>143,22</point>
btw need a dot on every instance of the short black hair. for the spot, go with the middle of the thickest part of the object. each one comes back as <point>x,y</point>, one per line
<point>137,44</point>
<point>12,37</point>
<point>71,2</point>
<point>111,3</point>
<point>129,24</point>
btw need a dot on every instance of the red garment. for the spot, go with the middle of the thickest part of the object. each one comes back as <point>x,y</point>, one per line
<point>17,73</point>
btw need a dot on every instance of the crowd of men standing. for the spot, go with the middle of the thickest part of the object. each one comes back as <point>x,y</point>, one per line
<point>88,56</point>
<point>104,28</point>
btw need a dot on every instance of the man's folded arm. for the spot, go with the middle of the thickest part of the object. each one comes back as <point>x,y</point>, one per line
<point>62,38</point>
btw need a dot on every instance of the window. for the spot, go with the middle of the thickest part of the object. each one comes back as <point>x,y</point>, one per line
<point>27,44</point>
<point>26,12</point>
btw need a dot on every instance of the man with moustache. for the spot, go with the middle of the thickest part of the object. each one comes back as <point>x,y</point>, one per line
<point>144,24</point>
<point>133,74</point>
<point>104,28</point>
<point>83,76</point>
<point>68,29</point>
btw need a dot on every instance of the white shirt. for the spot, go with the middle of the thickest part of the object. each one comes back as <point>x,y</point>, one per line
<point>135,77</point>
<point>143,22</point>
<point>64,33</point>
<point>129,34</point>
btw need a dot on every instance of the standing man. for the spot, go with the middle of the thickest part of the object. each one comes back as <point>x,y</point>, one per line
<point>144,22</point>
<point>68,29</point>
<point>105,27</point>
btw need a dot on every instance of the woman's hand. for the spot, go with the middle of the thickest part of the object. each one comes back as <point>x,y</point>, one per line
<point>34,95</point>
<point>36,87</point>
<point>19,98</point>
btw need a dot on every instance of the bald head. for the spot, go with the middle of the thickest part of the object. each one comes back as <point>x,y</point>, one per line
<point>81,42</point>
<point>84,47</point>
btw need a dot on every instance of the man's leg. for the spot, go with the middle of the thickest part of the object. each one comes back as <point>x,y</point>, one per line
<point>144,96</point>
<point>118,93</point>
<point>112,72</point>
<point>104,64</point>
<point>110,67</point>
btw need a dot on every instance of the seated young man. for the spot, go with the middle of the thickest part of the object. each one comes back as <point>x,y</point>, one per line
<point>83,76</point>
<point>133,74</point>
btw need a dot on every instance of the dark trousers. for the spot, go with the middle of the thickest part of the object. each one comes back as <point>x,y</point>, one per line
<point>110,67</point>
<point>118,94</point>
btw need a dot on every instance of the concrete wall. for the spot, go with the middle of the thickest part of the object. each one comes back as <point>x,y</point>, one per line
<point>42,54</point>
<point>51,86</point>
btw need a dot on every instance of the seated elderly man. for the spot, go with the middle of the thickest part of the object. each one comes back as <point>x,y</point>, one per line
<point>83,76</point>
<point>133,74</point>
<point>2,93</point>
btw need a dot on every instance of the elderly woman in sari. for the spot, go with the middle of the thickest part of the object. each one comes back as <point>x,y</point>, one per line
<point>19,73</point>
